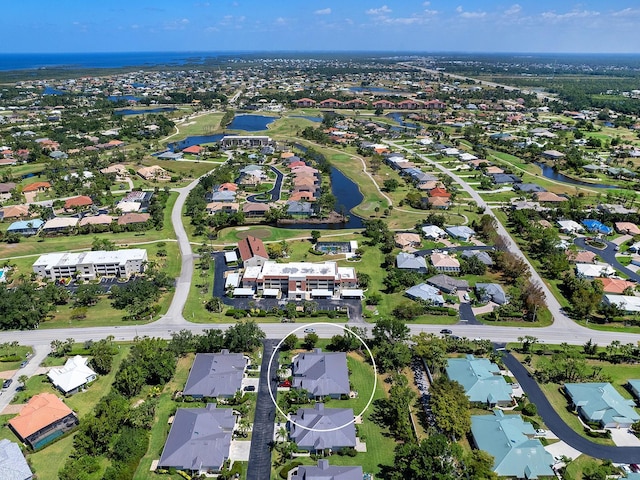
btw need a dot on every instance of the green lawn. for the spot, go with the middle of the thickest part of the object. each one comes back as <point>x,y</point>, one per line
<point>576,468</point>
<point>8,350</point>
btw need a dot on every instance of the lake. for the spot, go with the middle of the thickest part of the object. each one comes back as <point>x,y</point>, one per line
<point>549,172</point>
<point>399,117</point>
<point>251,123</point>
<point>194,140</point>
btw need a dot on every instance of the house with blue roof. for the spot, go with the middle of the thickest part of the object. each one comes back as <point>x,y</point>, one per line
<point>634,386</point>
<point>481,380</point>
<point>425,293</point>
<point>602,404</point>
<point>460,233</point>
<point>509,440</point>
<point>597,227</point>
<point>26,227</point>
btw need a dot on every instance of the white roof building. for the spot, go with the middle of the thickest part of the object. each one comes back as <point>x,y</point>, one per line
<point>433,231</point>
<point>569,226</point>
<point>89,265</point>
<point>625,303</point>
<point>72,376</point>
<point>594,270</point>
<point>128,207</point>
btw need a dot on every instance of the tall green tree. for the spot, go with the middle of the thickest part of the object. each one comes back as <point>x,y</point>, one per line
<point>450,406</point>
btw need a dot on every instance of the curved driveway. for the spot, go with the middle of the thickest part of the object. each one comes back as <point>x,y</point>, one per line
<point>559,427</point>
<point>608,254</point>
<point>274,192</point>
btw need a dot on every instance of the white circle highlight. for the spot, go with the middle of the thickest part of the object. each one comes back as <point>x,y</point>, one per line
<point>373,390</point>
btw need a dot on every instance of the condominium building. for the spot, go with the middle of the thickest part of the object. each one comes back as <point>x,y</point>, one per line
<point>89,265</point>
<point>299,280</point>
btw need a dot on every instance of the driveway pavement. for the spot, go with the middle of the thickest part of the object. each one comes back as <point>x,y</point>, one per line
<point>608,255</point>
<point>623,438</point>
<point>263,423</point>
<point>560,449</point>
<point>559,427</point>
<point>466,314</point>
<point>274,193</point>
<point>240,450</point>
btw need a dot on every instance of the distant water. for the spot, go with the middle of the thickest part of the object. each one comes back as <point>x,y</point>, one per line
<point>26,61</point>
<point>251,123</point>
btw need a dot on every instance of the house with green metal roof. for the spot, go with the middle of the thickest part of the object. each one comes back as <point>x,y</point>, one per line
<point>481,380</point>
<point>510,440</point>
<point>601,403</point>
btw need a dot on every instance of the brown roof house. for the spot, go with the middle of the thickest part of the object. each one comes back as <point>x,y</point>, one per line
<point>252,252</point>
<point>37,187</point>
<point>15,211</point>
<point>133,218</point>
<point>627,227</point>
<point>408,240</point>
<point>43,419</point>
<point>77,202</point>
<point>154,172</point>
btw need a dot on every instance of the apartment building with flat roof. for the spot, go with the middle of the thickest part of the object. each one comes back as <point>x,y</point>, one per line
<point>90,265</point>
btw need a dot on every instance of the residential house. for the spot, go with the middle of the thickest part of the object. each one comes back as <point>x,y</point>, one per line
<point>78,202</point>
<point>425,293</point>
<point>251,209</point>
<point>581,256</point>
<point>330,103</point>
<point>439,203</point>
<point>634,386</point>
<point>491,292</point>
<point>407,240</point>
<point>252,252</point>
<point>154,173</point>
<point>629,305</point>
<point>481,255</point>
<point>324,471</point>
<point>223,196</point>
<point>140,197</point>
<point>462,232</point>
<point>510,441</point>
<point>216,375</point>
<point>193,150</point>
<point>15,211</point>
<point>384,104</point>
<point>552,155</point>
<point>26,227</point>
<point>38,187</point>
<point>481,380</point>
<point>433,232</point>
<point>305,103</point>
<point>215,207</point>
<point>570,227</point>
<point>60,225</point>
<point>529,188</point>
<point>408,261</point>
<point>439,192</point>
<point>199,440</point>
<point>321,374</point>
<point>318,429</point>
<point>73,376</point>
<point>299,208</point>
<point>602,404</point>
<point>628,228</point>
<point>13,465</point>
<point>443,262</point>
<point>596,226</point>
<point>448,284</point>
<point>43,419</point>
<point>6,189</point>
<point>505,178</point>
<point>616,285</point>
<point>133,218</point>
<point>548,197</point>
<point>594,270</point>
<point>104,220</point>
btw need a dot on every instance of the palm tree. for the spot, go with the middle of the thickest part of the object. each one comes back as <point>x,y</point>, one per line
<point>282,434</point>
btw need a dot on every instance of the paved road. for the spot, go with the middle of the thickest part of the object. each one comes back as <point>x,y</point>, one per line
<point>608,255</point>
<point>263,424</point>
<point>274,192</point>
<point>39,354</point>
<point>559,427</point>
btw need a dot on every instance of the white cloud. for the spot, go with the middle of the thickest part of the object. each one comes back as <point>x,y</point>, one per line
<point>323,11</point>
<point>569,15</point>
<point>281,21</point>
<point>383,10</point>
<point>459,9</point>
<point>513,10</point>
<point>426,4</point>
<point>627,12</point>
<point>464,14</point>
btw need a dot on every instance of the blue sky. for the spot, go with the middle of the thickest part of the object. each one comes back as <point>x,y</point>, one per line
<point>301,25</point>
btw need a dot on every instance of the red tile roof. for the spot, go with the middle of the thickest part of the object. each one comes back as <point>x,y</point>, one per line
<point>81,201</point>
<point>33,187</point>
<point>42,410</point>
<point>251,247</point>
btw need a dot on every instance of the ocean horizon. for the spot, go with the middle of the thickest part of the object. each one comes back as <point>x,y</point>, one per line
<point>84,60</point>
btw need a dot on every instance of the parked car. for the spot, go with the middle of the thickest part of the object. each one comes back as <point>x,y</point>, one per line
<point>7,383</point>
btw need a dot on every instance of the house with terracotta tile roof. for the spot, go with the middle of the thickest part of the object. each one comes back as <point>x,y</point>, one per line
<point>43,419</point>
<point>440,203</point>
<point>434,104</point>
<point>443,262</point>
<point>383,104</point>
<point>330,103</point>
<point>409,104</point>
<point>37,187</point>
<point>405,240</point>
<point>305,102</point>
<point>193,150</point>
<point>252,251</point>
<point>133,218</point>
<point>616,285</point>
<point>252,209</point>
<point>439,192</point>
<point>15,211</point>
<point>548,197</point>
<point>581,256</point>
<point>227,187</point>
<point>355,103</point>
<point>627,227</point>
<point>77,202</point>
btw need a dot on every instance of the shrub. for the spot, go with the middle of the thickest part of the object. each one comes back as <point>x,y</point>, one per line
<point>530,409</point>
<point>284,471</point>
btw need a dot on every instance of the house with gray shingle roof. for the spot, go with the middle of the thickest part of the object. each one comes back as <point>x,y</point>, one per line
<point>510,441</point>
<point>408,261</point>
<point>481,255</point>
<point>299,209</point>
<point>448,284</point>
<point>461,232</point>
<point>317,429</point>
<point>491,292</point>
<point>426,293</point>
<point>216,375</point>
<point>481,380</point>
<point>601,403</point>
<point>13,465</point>
<point>324,471</point>
<point>321,373</point>
<point>199,439</point>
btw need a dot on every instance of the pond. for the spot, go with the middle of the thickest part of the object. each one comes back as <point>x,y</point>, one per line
<point>549,172</point>
<point>194,140</point>
<point>251,123</point>
<point>399,117</point>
